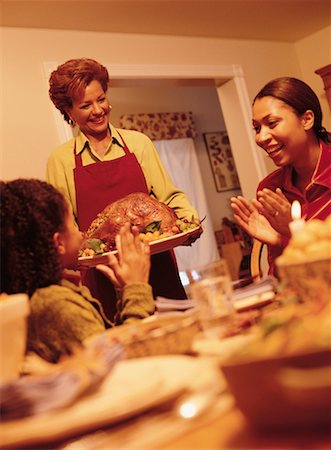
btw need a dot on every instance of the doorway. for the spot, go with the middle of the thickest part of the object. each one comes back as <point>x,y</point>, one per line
<point>233,97</point>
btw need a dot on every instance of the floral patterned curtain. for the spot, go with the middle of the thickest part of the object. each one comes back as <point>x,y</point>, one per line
<point>161,126</point>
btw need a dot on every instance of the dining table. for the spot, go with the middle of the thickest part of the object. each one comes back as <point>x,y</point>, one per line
<point>221,426</point>
<point>152,416</point>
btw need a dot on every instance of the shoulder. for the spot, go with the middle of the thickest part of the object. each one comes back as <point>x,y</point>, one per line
<point>55,297</point>
<point>134,137</point>
<point>273,180</point>
<point>326,151</point>
<point>64,150</point>
<point>51,292</point>
<point>60,318</point>
<point>322,174</point>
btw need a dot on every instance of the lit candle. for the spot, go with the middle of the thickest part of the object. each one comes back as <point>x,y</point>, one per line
<point>297,223</point>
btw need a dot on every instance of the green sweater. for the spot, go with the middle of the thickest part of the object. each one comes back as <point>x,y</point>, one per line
<point>62,316</point>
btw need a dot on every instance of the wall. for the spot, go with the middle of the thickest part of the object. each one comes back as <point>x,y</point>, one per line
<point>312,55</point>
<point>29,127</point>
<point>29,131</point>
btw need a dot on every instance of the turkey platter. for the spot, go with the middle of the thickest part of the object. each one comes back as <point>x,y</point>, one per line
<point>154,220</point>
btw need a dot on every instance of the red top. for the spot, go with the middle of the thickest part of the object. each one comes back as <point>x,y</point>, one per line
<point>315,201</point>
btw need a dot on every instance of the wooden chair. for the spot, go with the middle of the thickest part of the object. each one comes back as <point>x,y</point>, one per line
<point>255,262</point>
<point>232,253</point>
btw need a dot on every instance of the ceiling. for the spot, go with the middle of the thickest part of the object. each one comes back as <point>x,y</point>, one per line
<point>275,20</point>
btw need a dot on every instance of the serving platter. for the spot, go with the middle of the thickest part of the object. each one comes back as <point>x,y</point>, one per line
<point>158,246</point>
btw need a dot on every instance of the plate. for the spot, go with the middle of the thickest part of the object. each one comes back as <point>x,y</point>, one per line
<point>159,246</point>
<point>132,387</point>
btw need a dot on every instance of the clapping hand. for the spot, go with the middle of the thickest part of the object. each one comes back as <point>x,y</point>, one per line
<point>253,222</point>
<point>276,208</point>
<point>133,262</point>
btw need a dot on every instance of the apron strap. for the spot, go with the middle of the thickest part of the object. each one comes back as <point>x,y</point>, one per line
<point>125,147</point>
<point>78,158</point>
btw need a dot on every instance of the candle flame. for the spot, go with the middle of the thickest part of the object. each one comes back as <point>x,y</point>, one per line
<point>296,210</point>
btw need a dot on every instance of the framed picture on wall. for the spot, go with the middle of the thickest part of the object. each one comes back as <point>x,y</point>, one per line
<point>221,161</point>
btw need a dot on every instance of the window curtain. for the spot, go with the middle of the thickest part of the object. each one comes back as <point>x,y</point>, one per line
<point>180,160</point>
<point>160,126</point>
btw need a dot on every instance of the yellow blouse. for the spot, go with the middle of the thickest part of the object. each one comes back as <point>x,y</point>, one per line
<point>61,163</point>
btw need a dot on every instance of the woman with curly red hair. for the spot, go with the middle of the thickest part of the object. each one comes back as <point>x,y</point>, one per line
<point>104,164</point>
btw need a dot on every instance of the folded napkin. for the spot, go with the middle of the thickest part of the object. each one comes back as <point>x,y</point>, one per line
<point>266,284</point>
<point>167,304</point>
<point>82,372</point>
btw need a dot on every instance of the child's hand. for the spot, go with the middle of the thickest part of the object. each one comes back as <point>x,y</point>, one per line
<point>133,262</point>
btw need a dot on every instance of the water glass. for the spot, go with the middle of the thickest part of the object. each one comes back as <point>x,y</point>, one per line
<point>211,270</point>
<point>213,297</point>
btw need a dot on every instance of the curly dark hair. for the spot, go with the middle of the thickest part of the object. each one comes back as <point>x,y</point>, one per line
<point>31,212</point>
<point>300,97</point>
<point>71,78</point>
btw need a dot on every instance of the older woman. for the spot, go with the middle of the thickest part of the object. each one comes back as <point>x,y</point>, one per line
<point>287,120</point>
<point>103,164</point>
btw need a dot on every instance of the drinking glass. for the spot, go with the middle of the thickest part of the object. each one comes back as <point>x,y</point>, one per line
<point>213,297</point>
<point>211,270</point>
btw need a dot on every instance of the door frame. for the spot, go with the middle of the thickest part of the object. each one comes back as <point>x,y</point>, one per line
<point>232,94</point>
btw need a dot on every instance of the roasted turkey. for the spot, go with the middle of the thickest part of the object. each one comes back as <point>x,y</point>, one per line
<point>139,209</point>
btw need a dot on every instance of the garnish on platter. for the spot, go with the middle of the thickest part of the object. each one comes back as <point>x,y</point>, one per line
<point>154,232</point>
<point>92,247</point>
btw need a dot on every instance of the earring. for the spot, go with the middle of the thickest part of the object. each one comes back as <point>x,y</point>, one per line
<point>71,123</point>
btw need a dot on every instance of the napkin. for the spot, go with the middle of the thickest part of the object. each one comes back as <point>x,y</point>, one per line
<point>82,372</point>
<point>266,284</point>
<point>167,304</point>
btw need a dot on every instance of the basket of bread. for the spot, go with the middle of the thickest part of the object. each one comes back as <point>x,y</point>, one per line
<point>305,264</point>
<point>170,334</point>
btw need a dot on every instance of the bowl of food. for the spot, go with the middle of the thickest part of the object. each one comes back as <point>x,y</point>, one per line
<point>284,391</point>
<point>282,378</point>
<point>305,264</point>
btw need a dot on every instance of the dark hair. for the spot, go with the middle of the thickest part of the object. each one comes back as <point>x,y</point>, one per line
<point>31,212</point>
<point>70,78</point>
<point>300,97</point>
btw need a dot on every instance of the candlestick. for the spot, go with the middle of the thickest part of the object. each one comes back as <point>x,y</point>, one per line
<point>297,223</point>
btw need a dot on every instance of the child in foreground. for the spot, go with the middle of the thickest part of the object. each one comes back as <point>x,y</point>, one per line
<point>39,240</point>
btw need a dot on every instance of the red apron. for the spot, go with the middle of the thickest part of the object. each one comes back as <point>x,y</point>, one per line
<point>96,186</point>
